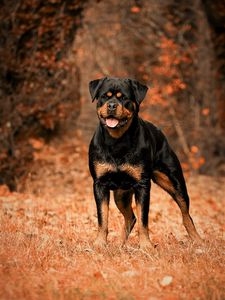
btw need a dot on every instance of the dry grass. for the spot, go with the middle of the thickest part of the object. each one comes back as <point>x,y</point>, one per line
<point>47,252</point>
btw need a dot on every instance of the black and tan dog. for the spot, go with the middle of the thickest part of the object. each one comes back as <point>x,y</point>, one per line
<point>125,154</point>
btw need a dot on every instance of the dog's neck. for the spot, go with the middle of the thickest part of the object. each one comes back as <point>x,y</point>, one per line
<point>119,132</point>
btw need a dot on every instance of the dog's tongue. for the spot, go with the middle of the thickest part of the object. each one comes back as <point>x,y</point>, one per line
<point>111,122</point>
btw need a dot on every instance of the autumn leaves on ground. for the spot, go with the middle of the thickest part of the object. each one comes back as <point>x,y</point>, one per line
<point>47,237</point>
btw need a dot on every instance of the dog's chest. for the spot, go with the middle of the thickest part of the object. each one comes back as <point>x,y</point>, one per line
<point>115,176</point>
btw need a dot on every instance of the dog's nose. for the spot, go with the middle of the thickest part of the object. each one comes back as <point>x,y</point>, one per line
<point>112,106</point>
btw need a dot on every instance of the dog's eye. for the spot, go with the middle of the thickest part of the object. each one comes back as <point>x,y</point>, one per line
<point>105,96</point>
<point>109,94</point>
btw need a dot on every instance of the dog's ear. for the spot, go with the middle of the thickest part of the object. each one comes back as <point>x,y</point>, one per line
<point>94,87</point>
<point>139,90</point>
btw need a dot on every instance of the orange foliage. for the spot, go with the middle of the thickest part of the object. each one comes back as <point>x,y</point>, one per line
<point>205,111</point>
<point>39,81</point>
<point>194,149</point>
<point>135,9</point>
<point>168,81</point>
<point>37,144</point>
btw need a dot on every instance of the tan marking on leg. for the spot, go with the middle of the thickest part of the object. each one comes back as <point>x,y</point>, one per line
<point>187,220</point>
<point>127,212</point>
<point>143,231</point>
<point>190,227</point>
<point>101,239</point>
<point>163,181</point>
<point>103,168</point>
<point>133,171</point>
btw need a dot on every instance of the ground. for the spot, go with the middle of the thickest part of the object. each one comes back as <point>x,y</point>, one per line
<point>47,234</point>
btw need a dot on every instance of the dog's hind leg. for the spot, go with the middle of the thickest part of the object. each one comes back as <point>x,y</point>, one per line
<point>123,200</point>
<point>170,178</point>
<point>183,203</point>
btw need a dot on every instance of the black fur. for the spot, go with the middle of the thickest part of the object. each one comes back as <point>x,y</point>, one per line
<point>142,146</point>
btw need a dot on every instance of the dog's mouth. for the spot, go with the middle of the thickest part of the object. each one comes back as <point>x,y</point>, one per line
<point>113,122</point>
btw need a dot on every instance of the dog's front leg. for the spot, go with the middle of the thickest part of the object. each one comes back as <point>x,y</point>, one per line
<point>101,194</point>
<point>142,199</point>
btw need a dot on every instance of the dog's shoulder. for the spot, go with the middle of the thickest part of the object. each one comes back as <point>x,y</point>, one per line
<point>154,138</point>
<point>151,131</point>
<point>148,126</point>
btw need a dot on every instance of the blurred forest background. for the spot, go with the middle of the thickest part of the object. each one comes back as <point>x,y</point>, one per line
<point>50,50</point>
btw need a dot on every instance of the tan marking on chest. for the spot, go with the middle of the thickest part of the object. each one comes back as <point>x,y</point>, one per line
<point>133,171</point>
<point>103,168</point>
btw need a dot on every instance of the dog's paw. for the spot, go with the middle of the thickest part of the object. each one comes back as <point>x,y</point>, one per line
<point>196,239</point>
<point>100,243</point>
<point>146,245</point>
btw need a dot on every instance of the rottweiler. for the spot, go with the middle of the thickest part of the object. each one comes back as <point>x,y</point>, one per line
<point>125,154</point>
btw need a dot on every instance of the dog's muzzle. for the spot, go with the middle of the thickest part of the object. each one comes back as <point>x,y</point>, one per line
<point>111,107</point>
<point>112,116</point>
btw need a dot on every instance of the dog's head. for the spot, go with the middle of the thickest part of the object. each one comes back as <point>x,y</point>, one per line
<point>118,101</point>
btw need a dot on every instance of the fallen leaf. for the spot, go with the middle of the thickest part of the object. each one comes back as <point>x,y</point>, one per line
<point>130,273</point>
<point>135,9</point>
<point>194,149</point>
<point>205,111</point>
<point>199,251</point>
<point>167,280</point>
<point>98,275</point>
<point>37,144</point>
